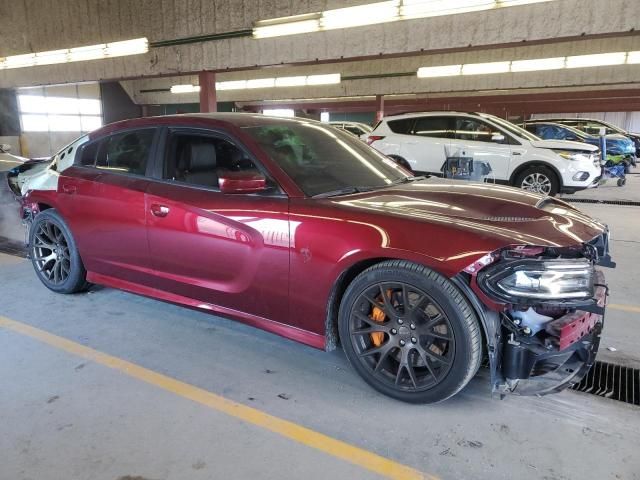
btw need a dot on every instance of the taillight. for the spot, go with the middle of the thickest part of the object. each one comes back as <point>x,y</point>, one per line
<point>373,138</point>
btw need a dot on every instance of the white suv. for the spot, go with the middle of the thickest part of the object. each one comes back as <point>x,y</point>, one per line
<point>423,142</point>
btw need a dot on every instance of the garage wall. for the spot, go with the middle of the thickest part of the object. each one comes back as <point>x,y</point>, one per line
<point>85,22</point>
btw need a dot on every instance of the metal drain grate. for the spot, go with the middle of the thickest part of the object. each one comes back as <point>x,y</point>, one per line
<point>630,203</point>
<point>12,247</point>
<point>612,381</point>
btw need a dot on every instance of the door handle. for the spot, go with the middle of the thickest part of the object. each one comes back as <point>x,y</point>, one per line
<point>516,153</point>
<point>70,189</point>
<point>159,210</point>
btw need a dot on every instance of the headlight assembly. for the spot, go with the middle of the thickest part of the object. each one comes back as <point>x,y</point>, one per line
<point>533,281</point>
<point>573,155</point>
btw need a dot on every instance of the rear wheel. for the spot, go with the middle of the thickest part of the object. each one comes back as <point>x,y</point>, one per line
<point>409,332</point>
<point>539,180</point>
<point>54,255</point>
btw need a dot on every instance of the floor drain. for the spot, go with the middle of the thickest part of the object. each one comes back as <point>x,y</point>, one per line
<point>12,247</point>
<point>612,381</point>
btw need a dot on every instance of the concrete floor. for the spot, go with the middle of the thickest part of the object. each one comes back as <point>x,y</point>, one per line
<point>62,416</point>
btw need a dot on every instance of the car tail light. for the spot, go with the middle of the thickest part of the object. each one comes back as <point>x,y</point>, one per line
<point>373,138</point>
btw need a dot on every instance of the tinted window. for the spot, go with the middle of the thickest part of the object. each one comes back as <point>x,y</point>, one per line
<point>435,127</point>
<point>200,159</point>
<point>88,154</point>
<point>402,126</point>
<point>126,152</point>
<point>470,129</point>
<point>355,130</point>
<point>322,159</point>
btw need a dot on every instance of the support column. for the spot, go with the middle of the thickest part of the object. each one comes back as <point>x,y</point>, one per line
<point>208,102</point>
<point>379,107</point>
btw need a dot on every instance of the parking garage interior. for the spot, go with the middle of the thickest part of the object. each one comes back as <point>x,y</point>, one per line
<point>123,384</point>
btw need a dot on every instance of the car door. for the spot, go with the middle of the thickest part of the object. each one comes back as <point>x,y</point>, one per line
<point>483,142</point>
<point>220,249</point>
<point>426,148</point>
<point>102,197</point>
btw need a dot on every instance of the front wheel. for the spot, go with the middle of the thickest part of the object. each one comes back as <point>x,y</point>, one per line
<point>54,254</point>
<point>539,180</point>
<point>409,332</point>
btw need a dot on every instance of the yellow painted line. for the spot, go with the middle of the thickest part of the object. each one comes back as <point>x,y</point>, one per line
<point>336,448</point>
<point>624,308</point>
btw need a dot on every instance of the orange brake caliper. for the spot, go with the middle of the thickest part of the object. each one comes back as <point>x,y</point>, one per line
<point>377,315</point>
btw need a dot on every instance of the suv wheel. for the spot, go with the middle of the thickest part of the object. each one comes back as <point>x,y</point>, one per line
<point>539,180</point>
<point>409,332</point>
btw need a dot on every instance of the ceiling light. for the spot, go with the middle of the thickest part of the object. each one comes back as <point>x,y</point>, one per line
<point>633,57</point>
<point>597,60</point>
<point>77,54</point>
<point>555,63</point>
<point>185,88</point>
<point>433,8</point>
<point>443,71</point>
<point>367,14</point>
<point>287,26</point>
<point>291,81</point>
<point>329,79</point>
<point>484,68</point>
<point>261,83</point>
<point>231,85</point>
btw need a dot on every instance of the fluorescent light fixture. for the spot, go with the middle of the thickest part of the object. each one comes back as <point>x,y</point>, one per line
<point>485,68</point>
<point>536,64</point>
<point>367,14</point>
<point>291,81</point>
<point>329,79</point>
<point>597,60</point>
<point>77,54</point>
<point>261,83</point>
<point>443,71</point>
<point>286,28</point>
<point>231,85</point>
<point>279,112</point>
<point>633,57</point>
<point>185,88</point>
<point>433,8</point>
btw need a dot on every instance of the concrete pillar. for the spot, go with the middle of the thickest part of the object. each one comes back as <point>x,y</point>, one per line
<point>208,101</point>
<point>379,107</point>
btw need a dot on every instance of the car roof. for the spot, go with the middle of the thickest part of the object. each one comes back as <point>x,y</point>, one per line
<point>428,114</point>
<point>240,120</point>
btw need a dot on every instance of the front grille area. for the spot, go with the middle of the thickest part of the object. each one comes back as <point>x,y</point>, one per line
<point>612,381</point>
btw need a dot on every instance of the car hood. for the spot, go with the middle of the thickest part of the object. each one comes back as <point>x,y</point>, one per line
<point>564,145</point>
<point>499,214</point>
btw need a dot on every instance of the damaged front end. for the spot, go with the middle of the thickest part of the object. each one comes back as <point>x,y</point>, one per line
<point>543,312</point>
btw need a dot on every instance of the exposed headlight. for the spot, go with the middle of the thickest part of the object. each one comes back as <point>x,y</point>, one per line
<point>573,155</point>
<point>530,279</point>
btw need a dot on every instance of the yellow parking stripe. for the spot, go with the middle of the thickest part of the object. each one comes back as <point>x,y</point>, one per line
<point>624,308</point>
<point>344,451</point>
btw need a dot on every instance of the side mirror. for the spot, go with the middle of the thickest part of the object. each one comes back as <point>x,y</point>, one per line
<point>241,182</point>
<point>497,138</point>
<point>5,148</point>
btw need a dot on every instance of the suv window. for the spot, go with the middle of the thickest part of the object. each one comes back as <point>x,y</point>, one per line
<point>434,127</point>
<point>126,152</point>
<point>199,159</point>
<point>88,154</point>
<point>402,126</point>
<point>353,129</point>
<point>470,129</point>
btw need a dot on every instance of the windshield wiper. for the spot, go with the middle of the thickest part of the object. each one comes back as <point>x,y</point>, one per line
<point>339,191</point>
<point>408,180</point>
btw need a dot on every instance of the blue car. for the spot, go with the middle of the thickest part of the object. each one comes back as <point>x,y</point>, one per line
<point>616,144</point>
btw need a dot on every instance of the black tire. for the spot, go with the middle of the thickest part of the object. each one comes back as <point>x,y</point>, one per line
<point>402,162</point>
<point>539,179</point>
<point>622,182</point>
<point>441,361</point>
<point>54,254</point>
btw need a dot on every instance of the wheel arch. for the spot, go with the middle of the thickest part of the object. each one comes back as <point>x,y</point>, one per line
<point>535,163</point>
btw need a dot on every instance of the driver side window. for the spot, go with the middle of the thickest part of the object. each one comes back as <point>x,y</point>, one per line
<point>201,159</point>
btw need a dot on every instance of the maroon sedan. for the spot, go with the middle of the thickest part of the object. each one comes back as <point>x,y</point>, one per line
<point>300,229</point>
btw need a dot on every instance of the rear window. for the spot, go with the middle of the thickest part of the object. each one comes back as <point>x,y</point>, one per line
<point>126,152</point>
<point>402,126</point>
<point>434,127</point>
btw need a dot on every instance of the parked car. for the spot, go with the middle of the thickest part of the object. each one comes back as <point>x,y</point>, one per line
<point>422,142</point>
<point>294,227</point>
<point>592,127</point>
<point>7,160</point>
<point>617,145</point>
<point>358,129</point>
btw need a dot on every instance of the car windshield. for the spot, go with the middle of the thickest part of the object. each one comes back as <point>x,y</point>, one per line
<point>322,160</point>
<point>512,129</point>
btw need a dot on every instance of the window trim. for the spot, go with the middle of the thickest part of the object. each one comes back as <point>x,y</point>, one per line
<point>157,172</point>
<point>150,160</point>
